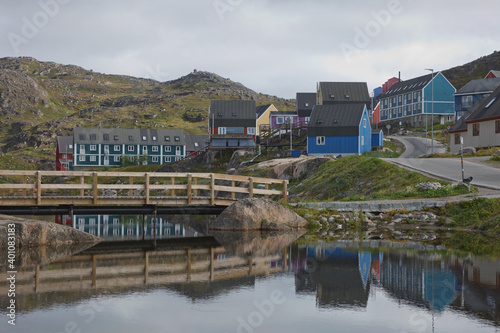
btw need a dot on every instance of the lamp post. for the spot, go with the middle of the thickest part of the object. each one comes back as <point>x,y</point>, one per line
<point>432,108</point>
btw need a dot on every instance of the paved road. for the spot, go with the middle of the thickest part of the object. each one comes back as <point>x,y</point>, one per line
<point>415,147</point>
<point>446,168</point>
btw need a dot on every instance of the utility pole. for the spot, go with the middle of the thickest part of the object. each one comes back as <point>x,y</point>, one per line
<point>432,108</point>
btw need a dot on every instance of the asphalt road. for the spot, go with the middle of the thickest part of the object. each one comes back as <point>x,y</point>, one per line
<point>445,168</point>
<point>415,146</point>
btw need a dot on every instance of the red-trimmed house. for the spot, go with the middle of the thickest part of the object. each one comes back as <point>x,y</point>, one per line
<point>492,74</point>
<point>64,153</point>
<point>196,144</point>
<point>232,124</point>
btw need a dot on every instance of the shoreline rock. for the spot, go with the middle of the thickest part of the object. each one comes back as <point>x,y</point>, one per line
<point>258,214</point>
<point>31,233</point>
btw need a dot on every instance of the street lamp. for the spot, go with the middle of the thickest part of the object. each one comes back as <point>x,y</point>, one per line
<point>432,108</point>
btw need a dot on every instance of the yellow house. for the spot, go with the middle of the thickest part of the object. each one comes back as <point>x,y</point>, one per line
<point>263,113</point>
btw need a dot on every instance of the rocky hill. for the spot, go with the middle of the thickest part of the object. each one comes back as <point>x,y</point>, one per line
<point>477,69</point>
<point>41,100</point>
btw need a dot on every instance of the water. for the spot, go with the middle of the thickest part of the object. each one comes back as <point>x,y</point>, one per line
<point>254,282</point>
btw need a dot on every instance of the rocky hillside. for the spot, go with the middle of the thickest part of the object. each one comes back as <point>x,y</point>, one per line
<point>41,100</point>
<point>477,69</point>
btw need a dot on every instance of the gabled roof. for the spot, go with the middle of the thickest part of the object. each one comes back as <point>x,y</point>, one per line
<point>479,86</point>
<point>488,108</point>
<point>262,109</point>
<point>233,113</point>
<point>304,104</point>
<point>283,113</point>
<point>136,136</point>
<point>65,144</point>
<point>403,87</point>
<point>494,72</point>
<point>343,92</point>
<point>196,142</point>
<point>336,120</point>
<point>461,124</point>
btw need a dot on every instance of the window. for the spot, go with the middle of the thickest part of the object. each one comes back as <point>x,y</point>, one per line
<point>497,126</point>
<point>221,130</point>
<point>81,158</point>
<point>116,158</point>
<point>70,146</point>
<point>168,149</point>
<point>466,101</point>
<point>82,150</point>
<point>362,140</point>
<point>130,138</point>
<point>130,148</point>
<point>132,158</point>
<point>320,140</point>
<point>364,123</point>
<point>93,137</point>
<point>93,147</point>
<point>306,104</point>
<point>177,138</point>
<point>144,138</point>
<point>116,147</point>
<point>178,150</point>
<point>251,130</point>
<point>491,102</point>
<point>82,137</point>
<point>93,158</point>
<point>177,158</point>
<point>154,148</point>
<point>105,137</point>
<point>167,138</point>
<point>196,144</point>
<point>280,120</point>
<point>154,138</point>
<point>307,119</point>
<point>115,137</point>
<point>475,129</point>
<point>154,159</point>
<point>457,139</point>
<point>168,159</point>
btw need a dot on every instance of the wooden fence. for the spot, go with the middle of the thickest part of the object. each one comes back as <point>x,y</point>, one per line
<point>30,188</point>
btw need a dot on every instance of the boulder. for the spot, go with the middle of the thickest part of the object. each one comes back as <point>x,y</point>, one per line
<point>258,214</point>
<point>468,150</point>
<point>36,233</point>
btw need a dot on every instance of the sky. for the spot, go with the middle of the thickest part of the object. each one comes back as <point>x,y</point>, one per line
<point>275,47</point>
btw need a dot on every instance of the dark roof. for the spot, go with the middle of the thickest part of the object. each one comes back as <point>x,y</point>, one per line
<point>196,142</point>
<point>461,124</point>
<point>122,136</point>
<point>344,92</point>
<point>233,113</point>
<point>261,109</point>
<point>65,144</point>
<point>479,86</point>
<point>407,86</point>
<point>304,104</point>
<point>283,113</point>
<point>487,108</point>
<point>336,120</point>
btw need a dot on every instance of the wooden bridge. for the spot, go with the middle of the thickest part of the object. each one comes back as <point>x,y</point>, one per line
<point>84,188</point>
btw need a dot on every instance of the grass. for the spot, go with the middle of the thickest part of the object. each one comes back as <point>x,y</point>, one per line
<point>368,178</point>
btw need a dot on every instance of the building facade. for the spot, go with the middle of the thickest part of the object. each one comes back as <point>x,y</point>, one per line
<point>418,101</point>
<point>64,153</point>
<point>472,92</point>
<point>103,147</point>
<point>263,114</point>
<point>339,129</point>
<point>232,124</point>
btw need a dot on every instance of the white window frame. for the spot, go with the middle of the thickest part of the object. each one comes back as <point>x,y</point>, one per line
<point>362,140</point>
<point>154,158</point>
<point>81,158</point>
<point>168,159</point>
<point>130,148</point>
<point>178,150</point>
<point>364,123</point>
<point>116,158</point>
<point>168,149</point>
<point>280,120</point>
<point>251,130</point>
<point>116,148</point>
<point>154,148</point>
<point>221,130</point>
<point>93,147</point>
<point>93,158</point>
<point>320,140</point>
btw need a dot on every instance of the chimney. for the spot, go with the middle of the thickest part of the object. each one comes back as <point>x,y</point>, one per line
<point>399,76</point>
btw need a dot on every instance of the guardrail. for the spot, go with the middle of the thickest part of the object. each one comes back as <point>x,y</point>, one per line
<point>29,188</point>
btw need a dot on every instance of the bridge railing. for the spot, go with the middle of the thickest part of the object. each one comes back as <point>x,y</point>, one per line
<point>133,188</point>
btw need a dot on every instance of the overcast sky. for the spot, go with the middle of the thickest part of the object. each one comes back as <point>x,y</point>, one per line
<point>277,47</point>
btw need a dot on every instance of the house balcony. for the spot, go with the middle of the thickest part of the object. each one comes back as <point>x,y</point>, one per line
<point>232,136</point>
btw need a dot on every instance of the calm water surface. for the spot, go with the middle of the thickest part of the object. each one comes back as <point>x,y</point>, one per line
<point>253,282</point>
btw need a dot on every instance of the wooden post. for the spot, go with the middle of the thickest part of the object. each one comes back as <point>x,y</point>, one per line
<point>24,183</point>
<point>172,192</point>
<point>267,188</point>
<point>212,189</point>
<point>212,252</point>
<point>82,181</point>
<point>190,179</point>
<point>195,181</point>
<point>146,188</point>
<point>94,271</point>
<point>285,190</point>
<point>188,264</point>
<point>233,194</point>
<point>250,187</point>
<point>37,277</point>
<point>131,182</point>
<point>95,188</point>
<point>38,188</point>
<point>146,267</point>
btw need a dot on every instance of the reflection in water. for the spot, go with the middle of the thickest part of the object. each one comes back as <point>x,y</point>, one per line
<point>232,275</point>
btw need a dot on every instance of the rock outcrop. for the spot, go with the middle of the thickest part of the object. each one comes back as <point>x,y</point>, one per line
<point>258,214</point>
<point>37,233</point>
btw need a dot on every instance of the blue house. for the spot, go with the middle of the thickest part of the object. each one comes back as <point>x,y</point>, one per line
<point>472,92</point>
<point>378,139</point>
<point>412,101</point>
<point>339,129</point>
